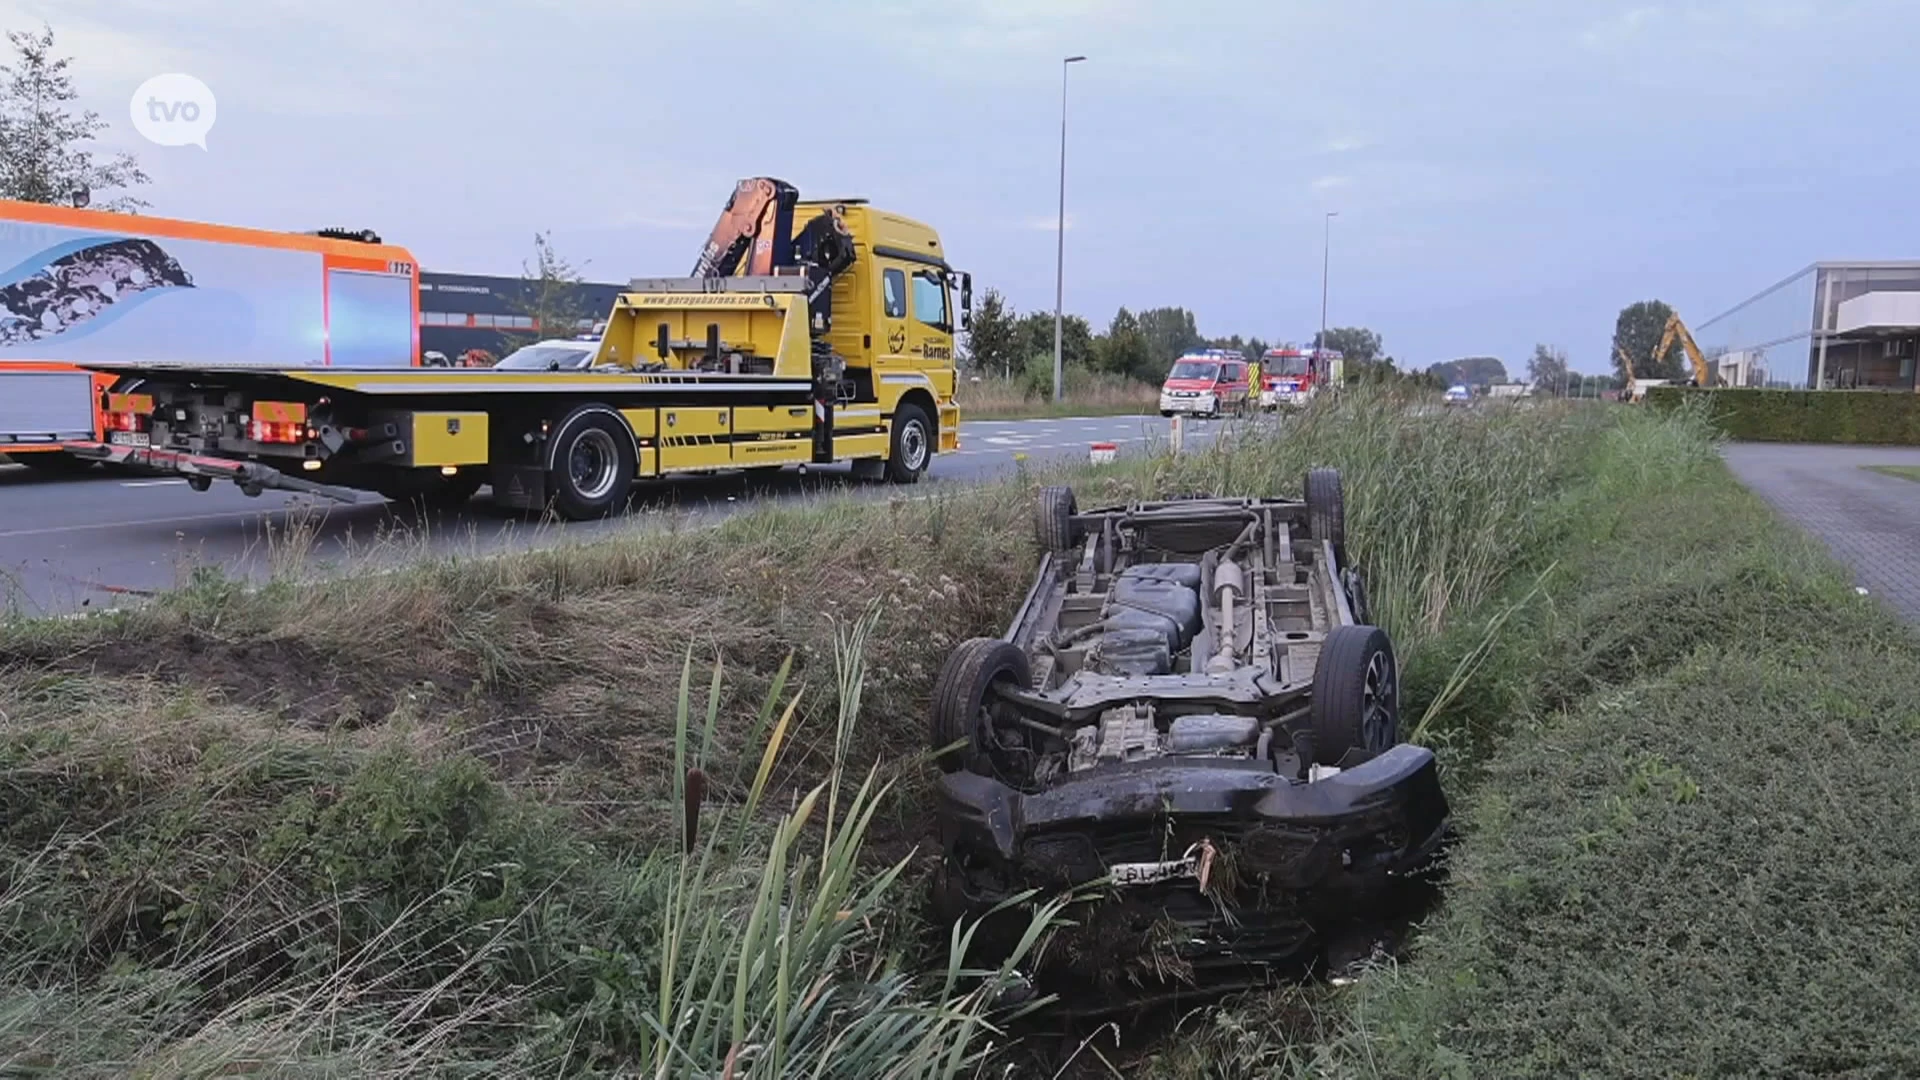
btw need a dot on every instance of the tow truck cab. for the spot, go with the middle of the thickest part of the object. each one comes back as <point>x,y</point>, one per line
<point>811,333</point>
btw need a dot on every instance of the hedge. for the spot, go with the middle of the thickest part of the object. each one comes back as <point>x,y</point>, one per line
<point>1805,416</point>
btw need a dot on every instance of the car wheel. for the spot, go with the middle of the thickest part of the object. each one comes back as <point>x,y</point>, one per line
<point>1166,412</point>
<point>591,471</point>
<point>960,698</point>
<point>1356,695</point>
<point>1327,509</point>
<point>911,449</point>
<point>1053,519</point>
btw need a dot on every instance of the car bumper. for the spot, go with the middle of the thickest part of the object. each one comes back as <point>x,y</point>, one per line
<point>1208,404</point>
<point>1270,399</point>
<point>1388,812</point>
<point>1294,862</point>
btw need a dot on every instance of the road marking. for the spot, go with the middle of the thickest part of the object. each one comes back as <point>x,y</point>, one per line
<point>150,483</point>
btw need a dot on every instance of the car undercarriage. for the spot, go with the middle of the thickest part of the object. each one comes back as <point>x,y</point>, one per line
<point>1190,723</point>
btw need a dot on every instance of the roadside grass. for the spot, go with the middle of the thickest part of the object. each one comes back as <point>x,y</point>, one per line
<point>1687,841</point>
<point>1902,472</point>
<point>423,820</point>
<point>1085,394</point>
<point>1694,857</point>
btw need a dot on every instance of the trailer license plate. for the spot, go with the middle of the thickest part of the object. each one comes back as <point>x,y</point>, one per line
<point>128,438</point>
<point>1153,873</point>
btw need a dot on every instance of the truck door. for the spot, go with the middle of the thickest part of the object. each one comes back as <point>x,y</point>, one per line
<point>891,348</point>
<point>930,330</point>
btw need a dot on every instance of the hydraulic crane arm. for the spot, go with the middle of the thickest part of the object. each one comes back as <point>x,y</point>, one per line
<point>758,216</point>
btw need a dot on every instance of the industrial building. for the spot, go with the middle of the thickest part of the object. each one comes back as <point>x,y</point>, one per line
<point>1833,325</point>
<point>459,312</point>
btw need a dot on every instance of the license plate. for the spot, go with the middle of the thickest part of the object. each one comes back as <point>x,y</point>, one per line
<point>128,438</point>
<point>1153,873</point>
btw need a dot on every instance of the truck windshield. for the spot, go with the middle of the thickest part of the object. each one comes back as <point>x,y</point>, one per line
<point>1195,369</point>
<point>548,358</point>
<point>1287,365</point>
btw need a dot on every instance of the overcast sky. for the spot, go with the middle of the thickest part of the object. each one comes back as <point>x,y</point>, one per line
<point>1505,172</point>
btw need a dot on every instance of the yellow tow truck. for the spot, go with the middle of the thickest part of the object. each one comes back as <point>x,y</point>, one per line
<point>809,333</point>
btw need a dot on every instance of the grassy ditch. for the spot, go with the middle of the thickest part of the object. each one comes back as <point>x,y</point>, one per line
<point>428,820</point>
<point>1688,846</point>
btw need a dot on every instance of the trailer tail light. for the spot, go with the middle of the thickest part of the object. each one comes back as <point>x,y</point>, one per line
<point>273,431</point>
<point>279,421</point>
<point>128,412</point>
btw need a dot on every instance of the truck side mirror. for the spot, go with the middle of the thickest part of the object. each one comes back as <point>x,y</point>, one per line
<point>966,301</point>
<point>662,344</point>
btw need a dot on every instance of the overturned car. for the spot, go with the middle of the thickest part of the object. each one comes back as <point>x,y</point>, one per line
<point>1192,721</point>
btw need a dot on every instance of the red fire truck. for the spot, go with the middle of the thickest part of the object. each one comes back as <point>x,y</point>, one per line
<point>1291,377</point>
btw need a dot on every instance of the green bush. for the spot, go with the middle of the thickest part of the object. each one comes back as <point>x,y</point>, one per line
<point>1804,416</point>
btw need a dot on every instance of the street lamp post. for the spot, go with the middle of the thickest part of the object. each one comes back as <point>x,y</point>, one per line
<point>1060,227</point>
<point>1326,258</point>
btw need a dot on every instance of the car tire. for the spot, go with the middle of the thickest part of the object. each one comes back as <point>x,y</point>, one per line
<point>590,472</point>
<point>1053,523</point>
<point>910,447</point>
<point>1356,696</point>
<point>1327,509</point>
<point>959,693</point>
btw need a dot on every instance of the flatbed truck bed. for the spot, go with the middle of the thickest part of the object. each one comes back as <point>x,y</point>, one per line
<point>833,357</point>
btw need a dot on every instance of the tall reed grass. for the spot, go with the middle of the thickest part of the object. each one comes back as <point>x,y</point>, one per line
<point>433,820</point>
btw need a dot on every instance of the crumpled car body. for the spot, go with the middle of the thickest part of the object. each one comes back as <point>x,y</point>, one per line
<point>1190,722</point>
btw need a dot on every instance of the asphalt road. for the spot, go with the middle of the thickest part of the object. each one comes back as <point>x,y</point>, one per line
<point>68,544</point>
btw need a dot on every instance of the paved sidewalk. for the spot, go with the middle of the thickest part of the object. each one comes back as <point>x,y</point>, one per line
<point>1870,521</point>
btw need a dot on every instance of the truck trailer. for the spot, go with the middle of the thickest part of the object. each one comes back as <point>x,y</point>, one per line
<point>81,287</point>
<point>809,333</point>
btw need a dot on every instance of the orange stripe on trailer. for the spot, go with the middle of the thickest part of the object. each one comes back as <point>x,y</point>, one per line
<point>280,412</point>
<point>176,229</point>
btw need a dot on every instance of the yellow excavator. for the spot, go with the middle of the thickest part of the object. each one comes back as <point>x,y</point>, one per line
<point>1702,375</point>
<point>1675,331</point>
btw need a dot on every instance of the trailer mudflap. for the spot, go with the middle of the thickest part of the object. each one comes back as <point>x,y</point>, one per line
<point>253,477</point>
<point>519,487</point>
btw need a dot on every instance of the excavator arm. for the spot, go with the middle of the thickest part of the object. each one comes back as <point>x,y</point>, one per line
<point>1677,330</point>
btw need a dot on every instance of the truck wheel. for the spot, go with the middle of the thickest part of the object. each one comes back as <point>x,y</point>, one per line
<point>1327,509</point>
<point>1053,519</point>
<point>911,449</point>
<point>960,698</point>
<point>591,471</point>
<point>1356,695</point>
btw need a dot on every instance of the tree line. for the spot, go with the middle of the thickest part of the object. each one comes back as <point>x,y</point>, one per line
<point>1140,346</point>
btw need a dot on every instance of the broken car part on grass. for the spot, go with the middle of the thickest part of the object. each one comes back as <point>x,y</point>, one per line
<point>1192,718</point>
